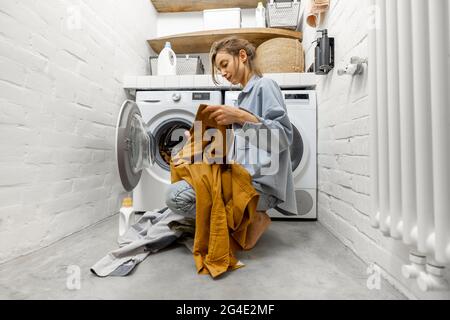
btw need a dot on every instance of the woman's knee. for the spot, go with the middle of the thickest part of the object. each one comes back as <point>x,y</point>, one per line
<point>180,197</point>
<point>170,196</point>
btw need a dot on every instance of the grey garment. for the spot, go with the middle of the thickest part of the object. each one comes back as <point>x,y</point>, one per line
<point>263,98</point>
<point>149,234</point>
<point>180,198</point>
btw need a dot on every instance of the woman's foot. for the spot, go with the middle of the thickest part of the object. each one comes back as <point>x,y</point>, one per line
<point>256,228</point>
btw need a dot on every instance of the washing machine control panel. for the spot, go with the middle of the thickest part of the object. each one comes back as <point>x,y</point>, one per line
<point>201,96</point>
<point>292,98</point>
<point>304,98</point>
<point>177,98</point>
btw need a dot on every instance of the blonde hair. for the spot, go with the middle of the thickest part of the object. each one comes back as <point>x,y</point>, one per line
<point>232,46</point>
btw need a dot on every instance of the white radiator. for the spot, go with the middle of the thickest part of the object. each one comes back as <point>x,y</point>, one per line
<point>410,123</point>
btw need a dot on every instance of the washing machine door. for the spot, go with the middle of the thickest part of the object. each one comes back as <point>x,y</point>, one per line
<point>135,147</point>
<point>297,149</point>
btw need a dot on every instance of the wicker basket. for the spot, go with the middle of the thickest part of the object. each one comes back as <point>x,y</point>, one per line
<point>281,55</point>
<point>283,13</point>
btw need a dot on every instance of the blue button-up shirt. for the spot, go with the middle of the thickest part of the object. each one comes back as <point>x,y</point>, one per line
<point>269,164</point>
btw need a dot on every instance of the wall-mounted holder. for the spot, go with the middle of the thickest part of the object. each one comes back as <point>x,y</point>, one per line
<point>354,68</point>
<point>324,54</point>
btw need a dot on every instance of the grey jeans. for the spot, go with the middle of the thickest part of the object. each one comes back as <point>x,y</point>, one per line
<point>180,198</point>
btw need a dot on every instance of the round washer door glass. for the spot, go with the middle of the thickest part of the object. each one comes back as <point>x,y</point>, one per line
<point>135,147</point>
<point>296,148</point>
<point>170,138</point>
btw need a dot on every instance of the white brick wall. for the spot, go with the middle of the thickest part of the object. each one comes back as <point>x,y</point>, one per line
<point>62,63</point>
<point>344,159</point>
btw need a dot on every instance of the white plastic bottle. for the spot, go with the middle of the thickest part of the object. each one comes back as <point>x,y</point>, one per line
<point>167,61</point>
<point>126,216</point>
<point>260,16</point>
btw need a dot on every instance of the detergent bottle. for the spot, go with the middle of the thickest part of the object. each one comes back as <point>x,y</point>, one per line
<point>167,61</point>
<point>126,216</point>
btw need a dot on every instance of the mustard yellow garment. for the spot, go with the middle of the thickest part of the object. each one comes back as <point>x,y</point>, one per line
<point>225,205</point>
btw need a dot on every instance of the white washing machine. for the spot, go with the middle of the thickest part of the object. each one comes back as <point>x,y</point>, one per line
<point>147,130</point>
<point>302,110</point>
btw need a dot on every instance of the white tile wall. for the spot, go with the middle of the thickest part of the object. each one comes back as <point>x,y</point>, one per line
<point>343,150</point>
<point>204,81</point>
<point>62,66</point>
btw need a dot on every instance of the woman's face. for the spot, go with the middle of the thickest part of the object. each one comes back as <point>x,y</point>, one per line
<point>230,67</point>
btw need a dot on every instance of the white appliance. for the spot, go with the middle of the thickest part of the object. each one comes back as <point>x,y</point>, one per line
<point>302,111</point>
<point>146,132</point>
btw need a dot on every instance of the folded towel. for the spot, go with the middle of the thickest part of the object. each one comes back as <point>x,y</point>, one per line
<point>316,12</point>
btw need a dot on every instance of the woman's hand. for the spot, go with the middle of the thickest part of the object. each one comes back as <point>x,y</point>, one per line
<point>226,115</point>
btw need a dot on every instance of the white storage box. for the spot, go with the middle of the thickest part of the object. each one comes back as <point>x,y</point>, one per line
<point>215,19</point>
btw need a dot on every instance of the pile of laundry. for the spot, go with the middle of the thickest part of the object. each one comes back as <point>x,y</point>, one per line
<point>226,218</point>
<point>154,231</point>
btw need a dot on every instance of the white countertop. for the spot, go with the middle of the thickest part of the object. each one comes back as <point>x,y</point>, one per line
<point>284,80</point>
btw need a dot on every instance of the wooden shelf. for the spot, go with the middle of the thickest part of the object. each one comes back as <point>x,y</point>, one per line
<point>204,82</point>
<point>201,42</point>
<point>200,5</point>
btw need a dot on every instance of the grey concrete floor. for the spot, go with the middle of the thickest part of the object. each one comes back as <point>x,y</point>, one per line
<point>293,260</point>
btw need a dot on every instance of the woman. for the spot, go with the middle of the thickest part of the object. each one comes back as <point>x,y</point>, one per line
<point>261,107</point>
